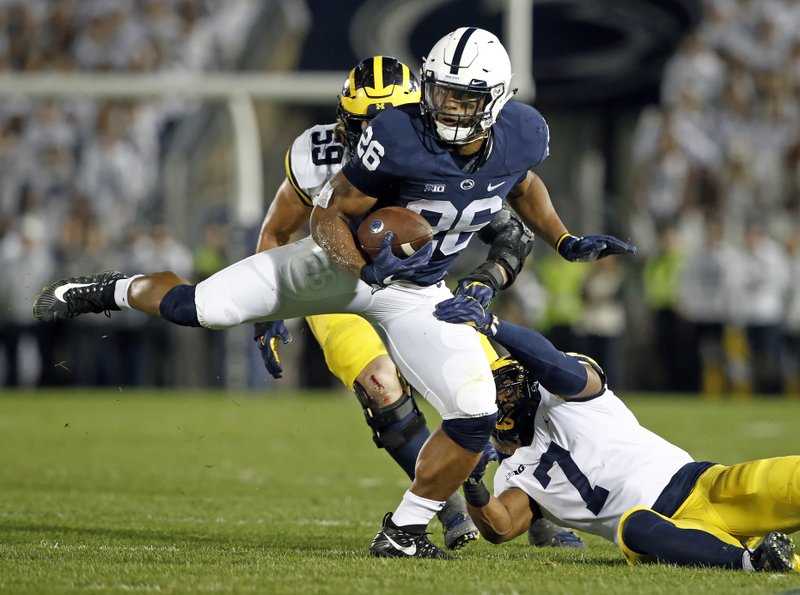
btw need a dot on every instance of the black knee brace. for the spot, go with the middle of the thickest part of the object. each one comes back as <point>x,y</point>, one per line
<point>381,420</point>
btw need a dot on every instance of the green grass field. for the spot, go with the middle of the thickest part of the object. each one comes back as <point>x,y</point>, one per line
<point>182,492</point>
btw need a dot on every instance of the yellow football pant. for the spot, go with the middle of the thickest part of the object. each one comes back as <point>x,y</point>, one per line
<point>350,343</point>
<point>740,503</point>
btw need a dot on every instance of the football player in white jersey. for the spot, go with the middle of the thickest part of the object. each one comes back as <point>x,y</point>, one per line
<point>579,457</point>
<point>353,351</point>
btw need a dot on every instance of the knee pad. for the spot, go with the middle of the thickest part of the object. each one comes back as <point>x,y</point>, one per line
<point>178,306</point>
<point>471,433</point>
<point>388,431</point>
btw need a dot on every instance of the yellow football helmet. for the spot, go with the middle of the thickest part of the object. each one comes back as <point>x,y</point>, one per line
<point>517,400</point>
<point>373,85</point>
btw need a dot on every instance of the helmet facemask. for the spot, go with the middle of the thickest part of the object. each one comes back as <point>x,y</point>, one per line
<point>350,127</point>
<point>466,79</point>
<point>517,401</point>
<point>460,113</point>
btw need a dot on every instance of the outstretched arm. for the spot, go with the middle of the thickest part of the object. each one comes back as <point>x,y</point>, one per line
<point>565,375</point>
<point>560,373</point>
<point>531,200</point>
<point>504,518</point>
<point>286,215</point>
<point>498,519</point>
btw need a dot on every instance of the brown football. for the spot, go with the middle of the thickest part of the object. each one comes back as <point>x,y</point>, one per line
<point>411,231</point>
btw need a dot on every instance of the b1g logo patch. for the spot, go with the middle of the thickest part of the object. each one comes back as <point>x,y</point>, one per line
<point>517,471</point>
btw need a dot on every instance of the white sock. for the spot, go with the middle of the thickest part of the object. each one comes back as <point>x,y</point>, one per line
<point>747,563</point>
<point>415,510</point>
<point>121,291</point>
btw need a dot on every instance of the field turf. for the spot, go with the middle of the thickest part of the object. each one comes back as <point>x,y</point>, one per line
<point>182,492</point>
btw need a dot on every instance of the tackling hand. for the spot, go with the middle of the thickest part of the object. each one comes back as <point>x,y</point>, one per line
<point>489,455</point>
<point>475,491</point>
<point>463,309</point>
<point>267,335</point>
<point>593,247</point>
<point>386,268</point>
<point>477,290</point>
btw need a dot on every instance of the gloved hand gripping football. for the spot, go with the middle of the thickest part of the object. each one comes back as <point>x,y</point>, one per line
<point>386,268</point>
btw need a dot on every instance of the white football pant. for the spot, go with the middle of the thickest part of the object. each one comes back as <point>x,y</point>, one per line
<point>444,362</point>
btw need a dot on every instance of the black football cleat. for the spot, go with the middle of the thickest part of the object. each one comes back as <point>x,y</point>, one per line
<point>774,554</point>
<point>393,542</point>
<point>457,525</point>
<point>77,295</point>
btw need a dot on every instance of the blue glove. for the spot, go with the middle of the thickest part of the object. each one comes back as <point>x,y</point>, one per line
<point>477,290</point>
<point>267,335</point>
<point>466,310</point>
<point>386,268</point>
<point>489,455</point>
<point>589,248</point>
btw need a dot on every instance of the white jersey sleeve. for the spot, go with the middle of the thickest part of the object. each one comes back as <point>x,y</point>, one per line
<point>314,158</point>
<point>590,462</point>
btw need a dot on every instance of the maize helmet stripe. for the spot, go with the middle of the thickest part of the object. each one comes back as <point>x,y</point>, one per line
<point>462,43</point>
<point>377,69</point>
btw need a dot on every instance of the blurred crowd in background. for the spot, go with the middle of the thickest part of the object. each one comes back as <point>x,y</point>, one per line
<point>711,302</point>
<point>714,208</point>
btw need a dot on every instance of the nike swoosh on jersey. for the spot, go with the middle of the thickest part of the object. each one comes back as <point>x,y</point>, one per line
<point>60,291</point>
<point>409,550</point>
<point>491,187</point>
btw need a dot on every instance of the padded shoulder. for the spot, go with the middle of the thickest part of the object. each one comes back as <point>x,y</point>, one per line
<point>524,134</point>
<point>586,360</point>
<point>314,157</point>
<point>402,134</point>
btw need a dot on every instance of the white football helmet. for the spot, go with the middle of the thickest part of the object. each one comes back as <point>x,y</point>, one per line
<point>466,81</point>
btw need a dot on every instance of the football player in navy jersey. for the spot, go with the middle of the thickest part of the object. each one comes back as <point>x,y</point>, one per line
<point>353,351</point>
<point>455,163</point>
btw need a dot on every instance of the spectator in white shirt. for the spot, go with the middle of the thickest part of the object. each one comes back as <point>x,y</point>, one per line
<point>761,298</point>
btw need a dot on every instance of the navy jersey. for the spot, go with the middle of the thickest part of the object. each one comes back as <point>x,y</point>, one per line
<point>400,162</point>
